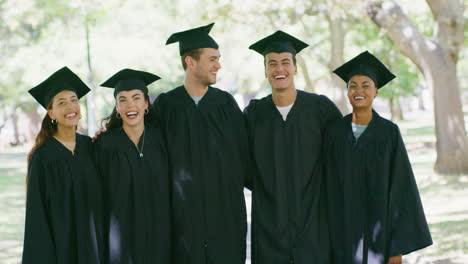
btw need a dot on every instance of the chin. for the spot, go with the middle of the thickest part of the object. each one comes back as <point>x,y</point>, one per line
<point>134,122</point>
<point>69,124</point>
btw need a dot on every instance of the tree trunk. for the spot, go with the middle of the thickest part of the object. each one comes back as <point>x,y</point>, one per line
<point>34,124</point>
<point>337,38</point>
<point>437,59</point>
<point>14,120</point>
<point>309,84</point>
<point>421,103</point>
<point>395,109</point>
<point>90,96</point>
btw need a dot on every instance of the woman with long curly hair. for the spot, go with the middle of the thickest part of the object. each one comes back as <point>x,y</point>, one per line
<point>63,205</point>
<point>132,160</point>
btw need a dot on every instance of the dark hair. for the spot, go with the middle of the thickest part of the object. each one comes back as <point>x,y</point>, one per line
<point>112,121</point>
<point>195,54</point>
<point>293,55</point>
<point>46,132</point>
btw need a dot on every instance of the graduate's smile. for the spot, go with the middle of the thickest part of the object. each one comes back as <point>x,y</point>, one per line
<point>131,105</point>
<point>132,114</point>
<point>71,115</point>
<point>279,67</point>
<point>361,91</point>
<point>65,109</point>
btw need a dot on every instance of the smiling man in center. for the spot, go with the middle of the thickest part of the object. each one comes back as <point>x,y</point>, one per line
<point>285,131</point>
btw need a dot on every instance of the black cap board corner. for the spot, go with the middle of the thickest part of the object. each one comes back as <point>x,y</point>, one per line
<point>129,79</point>
<point>368,65</point>
<point>195,38</point>
<point>278,42</point>
<point>63,79</point>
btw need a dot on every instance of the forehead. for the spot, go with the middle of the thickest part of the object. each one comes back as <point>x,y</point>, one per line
<point>129,93</point>
<point>360,79</point>
<point>278,56</point>
<point>65,94</point>
<point>210,52</point>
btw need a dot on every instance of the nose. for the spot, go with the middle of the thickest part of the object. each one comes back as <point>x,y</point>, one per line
<point>218,65</point>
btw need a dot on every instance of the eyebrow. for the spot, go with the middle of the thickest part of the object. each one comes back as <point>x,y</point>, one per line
<point>354,82</point>
<point>64,98</point>
<point>137,94</point>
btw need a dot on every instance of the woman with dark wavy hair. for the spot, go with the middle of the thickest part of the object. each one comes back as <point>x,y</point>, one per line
<point>63,205</point>
<point>132,160</point>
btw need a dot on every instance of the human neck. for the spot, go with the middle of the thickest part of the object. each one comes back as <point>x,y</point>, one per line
<point>362,116</point>
<point>284,97</point>
<point>65,133</point>
<point>134,132</point>
<point>194,87</point>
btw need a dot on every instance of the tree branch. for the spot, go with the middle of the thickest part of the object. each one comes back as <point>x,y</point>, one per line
<point>449,25</point>
<point>395,25</point>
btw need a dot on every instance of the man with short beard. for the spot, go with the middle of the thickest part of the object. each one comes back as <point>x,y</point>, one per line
<point>208,155</point>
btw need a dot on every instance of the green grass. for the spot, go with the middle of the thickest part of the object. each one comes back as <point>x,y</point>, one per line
<point>12,188</point>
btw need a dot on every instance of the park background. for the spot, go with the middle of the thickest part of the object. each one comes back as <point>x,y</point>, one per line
<point>422,42</point>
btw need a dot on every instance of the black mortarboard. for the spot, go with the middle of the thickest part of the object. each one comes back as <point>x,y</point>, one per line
<point>63,79</point>
<point>279,42</point>
<point>128,79</point>
<point>192,39</point>
<point>368,65</point>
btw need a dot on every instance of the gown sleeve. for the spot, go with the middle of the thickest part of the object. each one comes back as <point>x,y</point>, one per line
<point>328,111</point>
<point>157,105</point>
<point>243,140</point>
<point>38,237</point>
<point>247,114</point>
<point>409,229</point>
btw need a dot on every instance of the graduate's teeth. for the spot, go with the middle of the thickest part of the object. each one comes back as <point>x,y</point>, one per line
<point>70,115</point>
<point>280,77</point>
<point>359,97</point>
<point>132,113</point>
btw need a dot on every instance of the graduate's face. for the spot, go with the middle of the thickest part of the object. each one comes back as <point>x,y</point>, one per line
<point>361,91</point>
<point>207,67</point>
<point>131,106</point>
<point>65,109</point>
<point>280,70</point>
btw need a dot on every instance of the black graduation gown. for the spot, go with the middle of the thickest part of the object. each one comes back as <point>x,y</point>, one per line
<point>373,200</point>
<point>208,149</point>
<point>136,195</point>
<point>63,206</point>
<point>289,224</point>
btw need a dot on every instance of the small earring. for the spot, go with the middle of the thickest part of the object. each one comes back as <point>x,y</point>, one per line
<point>53,121</point>
<point>146,111</point>
<point>117,115</point>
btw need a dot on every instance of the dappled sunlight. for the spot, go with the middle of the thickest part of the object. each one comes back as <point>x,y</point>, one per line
<point>183,176</point>
<point>372,257</point>
<point>114,239</point>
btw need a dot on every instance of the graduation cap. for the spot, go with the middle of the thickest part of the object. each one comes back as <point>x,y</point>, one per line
<point>63,79</point>
<point>278,42</point>
<point>192,39</point>
<point>128,79</point>
<point>368,65</point>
